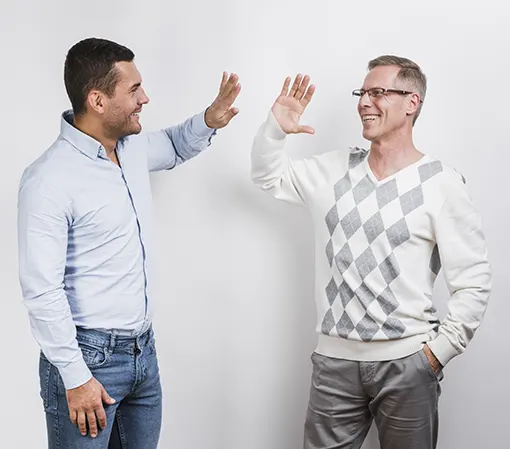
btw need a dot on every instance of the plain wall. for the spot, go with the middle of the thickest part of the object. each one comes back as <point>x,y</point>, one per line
<point>235,316</point>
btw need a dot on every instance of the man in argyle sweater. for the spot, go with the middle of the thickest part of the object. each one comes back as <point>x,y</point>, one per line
<point>386,221</point>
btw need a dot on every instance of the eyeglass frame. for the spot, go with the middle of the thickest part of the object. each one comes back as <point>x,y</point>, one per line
<point>361,92</point>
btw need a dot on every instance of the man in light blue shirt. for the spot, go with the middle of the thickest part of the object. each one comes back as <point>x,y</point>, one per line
<point>84,212</point>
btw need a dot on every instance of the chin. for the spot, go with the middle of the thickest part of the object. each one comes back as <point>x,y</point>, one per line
<point>132,131</point>
<point>368,135</point>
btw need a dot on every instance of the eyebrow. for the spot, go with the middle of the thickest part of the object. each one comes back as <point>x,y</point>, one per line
<point>135,86</point>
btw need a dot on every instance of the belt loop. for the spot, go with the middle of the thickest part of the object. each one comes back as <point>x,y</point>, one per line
<point>112,343</point>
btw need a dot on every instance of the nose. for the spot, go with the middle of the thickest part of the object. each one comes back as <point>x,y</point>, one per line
<point>144,98</point>
<point>365,101</point>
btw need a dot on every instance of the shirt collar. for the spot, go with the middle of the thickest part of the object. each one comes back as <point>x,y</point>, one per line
<point>84,143</point>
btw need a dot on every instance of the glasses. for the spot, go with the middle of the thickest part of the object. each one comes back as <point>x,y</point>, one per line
<point>378,92</point>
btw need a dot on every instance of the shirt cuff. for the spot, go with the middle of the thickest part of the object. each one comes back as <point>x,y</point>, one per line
<point>272,128</point>
<point>442,349</point>
<point>199,128</point>
<point>75,374</point>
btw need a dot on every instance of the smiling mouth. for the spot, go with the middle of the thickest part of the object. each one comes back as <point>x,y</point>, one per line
<point>369,118</point>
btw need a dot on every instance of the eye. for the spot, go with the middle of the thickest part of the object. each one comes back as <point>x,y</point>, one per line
<point>376,92</point>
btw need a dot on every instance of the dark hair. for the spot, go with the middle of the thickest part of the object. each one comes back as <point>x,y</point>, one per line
<point>90,65</point>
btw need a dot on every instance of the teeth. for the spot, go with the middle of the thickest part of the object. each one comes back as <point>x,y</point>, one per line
<point>369,118</point>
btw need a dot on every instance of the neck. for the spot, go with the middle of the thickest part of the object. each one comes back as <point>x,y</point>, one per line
<point>95,130</point>
<point>390,155</point>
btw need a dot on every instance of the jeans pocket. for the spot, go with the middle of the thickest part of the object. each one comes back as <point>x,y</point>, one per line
<point>44,380</point>
<point>94,357</point>
<point>49,384</point>
<point>151,343</point>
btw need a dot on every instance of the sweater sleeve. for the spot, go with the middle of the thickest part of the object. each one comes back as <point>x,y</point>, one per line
<point>275,173</point>
<point>466,269</point>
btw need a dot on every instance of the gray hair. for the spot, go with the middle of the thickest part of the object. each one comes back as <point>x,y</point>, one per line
<point>410,73</point>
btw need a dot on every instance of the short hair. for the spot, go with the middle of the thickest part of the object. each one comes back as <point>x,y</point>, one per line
<point>410,73</point>
<point>89,65</point>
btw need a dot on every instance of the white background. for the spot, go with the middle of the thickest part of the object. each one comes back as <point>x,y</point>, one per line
<point>234,311</point>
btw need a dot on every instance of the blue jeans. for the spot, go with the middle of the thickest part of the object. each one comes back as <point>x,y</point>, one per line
<point>127,367</point>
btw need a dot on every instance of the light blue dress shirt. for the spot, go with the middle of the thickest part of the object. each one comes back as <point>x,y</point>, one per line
<point>84,235</point>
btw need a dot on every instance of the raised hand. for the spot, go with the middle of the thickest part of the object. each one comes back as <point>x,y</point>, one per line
<point>219,114</point>
<point>289,106</point>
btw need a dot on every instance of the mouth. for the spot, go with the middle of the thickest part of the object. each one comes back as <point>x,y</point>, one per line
<point>369,118</point>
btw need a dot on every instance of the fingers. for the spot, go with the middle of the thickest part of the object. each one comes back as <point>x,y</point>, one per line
<point>308,96</point>
<point>219,114</point>
<point>82,423</point>
<point>91,418</point>
<point>229,115</point>
<point>73,416</point>
<point>285,88</point>
<point>224,79</point>
<point>295,85</point>
<point>306,130</point>
<point>228,86</point>
<point>228,94</point>
<point>300,93</point>
<point>300,89</point>
<point>106,397</point>
<point>101,417</point>
<point>231,97</point>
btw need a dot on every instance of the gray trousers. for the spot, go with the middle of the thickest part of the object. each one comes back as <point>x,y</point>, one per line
<point>345,396</point>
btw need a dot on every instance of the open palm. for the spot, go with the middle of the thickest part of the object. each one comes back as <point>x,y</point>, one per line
<point>289,106</point>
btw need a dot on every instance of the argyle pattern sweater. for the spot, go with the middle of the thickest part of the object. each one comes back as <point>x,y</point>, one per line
<point>379,247</point>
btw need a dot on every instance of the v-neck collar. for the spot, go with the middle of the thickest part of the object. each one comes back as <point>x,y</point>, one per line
<point>425,158</point>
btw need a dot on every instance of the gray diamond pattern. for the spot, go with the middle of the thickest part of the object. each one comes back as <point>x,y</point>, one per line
<point>374,227</point>
<point>389,268</point>
<point>328,322</point>
<point>428,170</point>
<point>344,258</point>
<point>356,158</point>
<point>344,326</point>
<point>366,263</point>
<point>393,328</point>
<point>331,291</point>
<point>332,219</point>
<point>387,193</point>
<point>363,189</point>
<point>367,328</point>
<point>397,234</point>
<point>388,301</point>
<point>365,296</point>
<point>342,186</point>
<point>346,293</point>
<point>330,252</point>
<point>411,200</point>
<point>351,223</point>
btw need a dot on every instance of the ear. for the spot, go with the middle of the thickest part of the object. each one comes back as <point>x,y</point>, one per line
<point>96,101</point>
<point>413,103</point>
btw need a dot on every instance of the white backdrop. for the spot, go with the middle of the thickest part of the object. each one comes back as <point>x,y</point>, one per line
<point>233,296</point>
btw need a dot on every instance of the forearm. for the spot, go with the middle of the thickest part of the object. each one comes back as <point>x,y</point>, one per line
<point>463,252</point>
<point>271,168</point>
<point>191,137</point>
<point>55,332</point>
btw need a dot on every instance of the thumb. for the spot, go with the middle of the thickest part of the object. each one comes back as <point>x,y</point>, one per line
<point>229,115</point>
<point>106,397</point>
<point>306,130</point>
